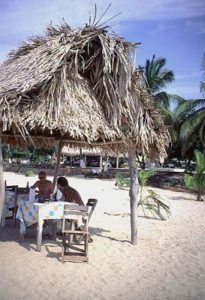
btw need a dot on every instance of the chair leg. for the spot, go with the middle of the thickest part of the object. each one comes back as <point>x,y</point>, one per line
<point>54,230</point>
<point>14,215</point>
<point>63,246</point>
<point>75,242</point>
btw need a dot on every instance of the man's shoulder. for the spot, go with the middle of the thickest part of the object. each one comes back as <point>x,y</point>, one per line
<point>47,181</point>
<point>71,189</point>
<point>37,182</point>
<point>72,194</point>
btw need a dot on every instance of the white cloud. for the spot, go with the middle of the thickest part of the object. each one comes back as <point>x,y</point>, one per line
<point>31,16</point>
<point>161,27</point>
<point>189,75</point>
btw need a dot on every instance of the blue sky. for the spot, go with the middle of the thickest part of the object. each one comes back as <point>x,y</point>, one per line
<point>174,29</point>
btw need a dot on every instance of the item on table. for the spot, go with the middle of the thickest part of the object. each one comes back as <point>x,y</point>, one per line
<point>52,197</point>
<point>41,198</point>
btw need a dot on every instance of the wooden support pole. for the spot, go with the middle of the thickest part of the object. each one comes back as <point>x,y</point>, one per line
<point>101,161</point>
<point>117,161</point>
<point>60,146</point>
<point>1,179</point>
<point>81,153</point>
<point>134,190</point>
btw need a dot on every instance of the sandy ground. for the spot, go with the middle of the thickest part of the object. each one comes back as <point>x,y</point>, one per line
<point>167,263</point>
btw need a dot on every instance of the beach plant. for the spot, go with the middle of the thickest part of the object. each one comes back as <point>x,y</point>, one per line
<point>29,173</point>
<point>155,205</point>
<point>122,182</point>
<point>143,178</point>
<point>152,203</point>
<point>202,83</point>
<point>196,181</point>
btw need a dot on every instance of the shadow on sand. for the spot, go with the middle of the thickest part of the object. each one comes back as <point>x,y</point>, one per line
<point>9,233</point>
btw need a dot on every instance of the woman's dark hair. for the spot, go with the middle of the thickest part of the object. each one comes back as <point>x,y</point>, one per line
<point>62,181</point>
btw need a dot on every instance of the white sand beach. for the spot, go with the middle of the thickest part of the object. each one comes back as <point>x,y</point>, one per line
<point>167,263</point>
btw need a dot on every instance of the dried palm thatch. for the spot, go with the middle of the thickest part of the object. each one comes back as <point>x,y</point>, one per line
<point>79,85</point>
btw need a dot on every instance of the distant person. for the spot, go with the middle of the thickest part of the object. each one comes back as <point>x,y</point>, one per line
<point>105,166</point>
<point>82,163</point>
<point>69,193</point>
<point>45,187</point>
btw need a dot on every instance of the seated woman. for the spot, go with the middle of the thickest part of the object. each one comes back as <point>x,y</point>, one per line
<point>45,187</point>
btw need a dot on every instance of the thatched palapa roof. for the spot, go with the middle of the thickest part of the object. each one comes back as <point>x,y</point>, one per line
<point>80,85</point>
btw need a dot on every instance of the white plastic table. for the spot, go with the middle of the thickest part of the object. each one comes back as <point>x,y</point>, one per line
<point>9,202</point>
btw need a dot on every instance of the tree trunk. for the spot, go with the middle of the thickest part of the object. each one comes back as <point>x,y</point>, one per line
<point>60,146</point>
<point>1,180</point>
<point>134,190</point>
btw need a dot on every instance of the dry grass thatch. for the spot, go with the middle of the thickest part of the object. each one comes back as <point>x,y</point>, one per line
<point>81,85</point>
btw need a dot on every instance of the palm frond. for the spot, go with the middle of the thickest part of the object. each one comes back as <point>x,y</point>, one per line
<point>196,182</point>
<point>202,87</point>
<point>144,175</point>
<point>175,99</point>
<point>202,133</point>
<point>157,76</point>
<point>187,107</point>
<point>200,161</point>
<point>163,99</point>
<point>155,205</point>
<point>192,124</point>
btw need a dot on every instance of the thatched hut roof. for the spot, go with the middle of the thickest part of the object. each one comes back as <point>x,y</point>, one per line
<point>80,85</point>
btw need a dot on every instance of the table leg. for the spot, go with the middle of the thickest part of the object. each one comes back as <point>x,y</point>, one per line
<point>21,238</point>
<point>3,216</point>
<point>22,230</point>
<point>54,229</point>
<point>14,216</point>
<point>72,228</point>
<point>39,235</point>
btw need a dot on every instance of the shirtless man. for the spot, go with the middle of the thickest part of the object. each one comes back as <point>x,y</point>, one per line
<point>45,187</point>
<point>69,193</point>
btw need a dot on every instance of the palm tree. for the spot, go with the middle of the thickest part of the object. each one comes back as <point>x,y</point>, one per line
<point>157,76</point>
<point>202,84</point>
<point>186,122</point>
<point>192,127</point>
<point>173,122</point>
<point>197,181</point>
<point>189,118</point>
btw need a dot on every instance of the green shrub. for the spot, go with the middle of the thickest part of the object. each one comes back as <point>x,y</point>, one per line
<point>196,181</point>
<point>152,202</point>
<point>122,182</point>
<point>29,173</point>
